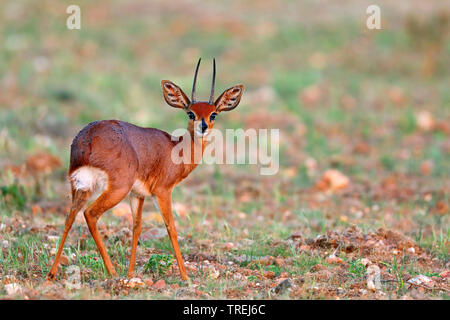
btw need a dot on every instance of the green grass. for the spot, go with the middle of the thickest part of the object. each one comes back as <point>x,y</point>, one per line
<point>159,263</point>
<point>54,81</point>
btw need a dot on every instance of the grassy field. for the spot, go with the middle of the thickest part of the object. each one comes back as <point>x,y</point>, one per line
<point>372,106</point>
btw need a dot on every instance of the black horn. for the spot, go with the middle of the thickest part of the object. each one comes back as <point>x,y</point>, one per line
<point>211,97</point>
<point>195,80</point>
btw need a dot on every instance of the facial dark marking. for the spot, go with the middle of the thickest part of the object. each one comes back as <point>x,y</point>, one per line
<point>204,125</point>
<point>191,115</point>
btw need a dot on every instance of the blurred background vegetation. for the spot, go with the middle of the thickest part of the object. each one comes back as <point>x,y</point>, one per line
<point>372,104</point>
<point>312,64</point>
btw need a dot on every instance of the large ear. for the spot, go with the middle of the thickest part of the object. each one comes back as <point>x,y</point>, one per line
<point>229,99</point>
<point>174,96</point>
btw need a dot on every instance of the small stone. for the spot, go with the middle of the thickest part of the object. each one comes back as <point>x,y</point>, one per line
<point>148,282</point>
<point>373,277</point>
<point>365,262</point>
<point>282,286</point>
<point>13,289</point>
<point>425,120</point>
<point>420,279</point>
<point>135,282</point>
<point>52,238</point>
<point>371,285</point>
<point>411,250</point>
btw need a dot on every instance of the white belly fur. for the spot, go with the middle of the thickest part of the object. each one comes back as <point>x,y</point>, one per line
<point>140,189</point>
<point>92,179</point>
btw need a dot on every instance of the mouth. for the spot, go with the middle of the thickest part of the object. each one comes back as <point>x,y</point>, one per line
<point>200,134</point>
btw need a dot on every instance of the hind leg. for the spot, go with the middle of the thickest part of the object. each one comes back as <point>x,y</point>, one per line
<point>136,208</point>
<point>79,200</point>
<point>108,199</point>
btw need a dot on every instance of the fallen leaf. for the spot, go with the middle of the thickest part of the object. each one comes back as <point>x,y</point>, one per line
<point>311,95</point>
<point>332,180</point>
<point>229,246</point>
<point>425,120</point>
<point>42,163</point>
<point>64,260</point>
<point>442,207</point>
<point>332,259</point>
<point>362,148</point>
<point>426,167</point>
<point>397,96</point>
<point>348,102</point>
<point>36,209</point>
<point>279,262</point>
<point>269,274</point>
<point>159,284</point>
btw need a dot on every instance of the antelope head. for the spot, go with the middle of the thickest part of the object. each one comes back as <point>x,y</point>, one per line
<point>201,114</point>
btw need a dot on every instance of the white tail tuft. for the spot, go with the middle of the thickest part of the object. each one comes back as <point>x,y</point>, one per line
<point>89,179</point>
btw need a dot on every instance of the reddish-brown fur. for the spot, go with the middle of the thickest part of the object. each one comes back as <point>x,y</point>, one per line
<point>127,153</point>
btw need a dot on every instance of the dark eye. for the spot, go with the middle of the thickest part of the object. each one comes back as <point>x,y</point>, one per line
<point>191,115</point>
<point>213,116</point>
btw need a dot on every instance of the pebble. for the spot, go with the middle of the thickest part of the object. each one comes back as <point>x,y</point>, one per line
<point>13,289</point>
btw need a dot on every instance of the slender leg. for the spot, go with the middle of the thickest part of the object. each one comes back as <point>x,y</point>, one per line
<point>108,199</point>
<point>79,200</point>
<point>136,209</point>
<point>165,205</point>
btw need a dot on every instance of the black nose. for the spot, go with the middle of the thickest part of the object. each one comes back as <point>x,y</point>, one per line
<point>204,125</point>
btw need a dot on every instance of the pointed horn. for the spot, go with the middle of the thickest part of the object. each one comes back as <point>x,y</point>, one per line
<point>195,80</point>
<point>213,84</point>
